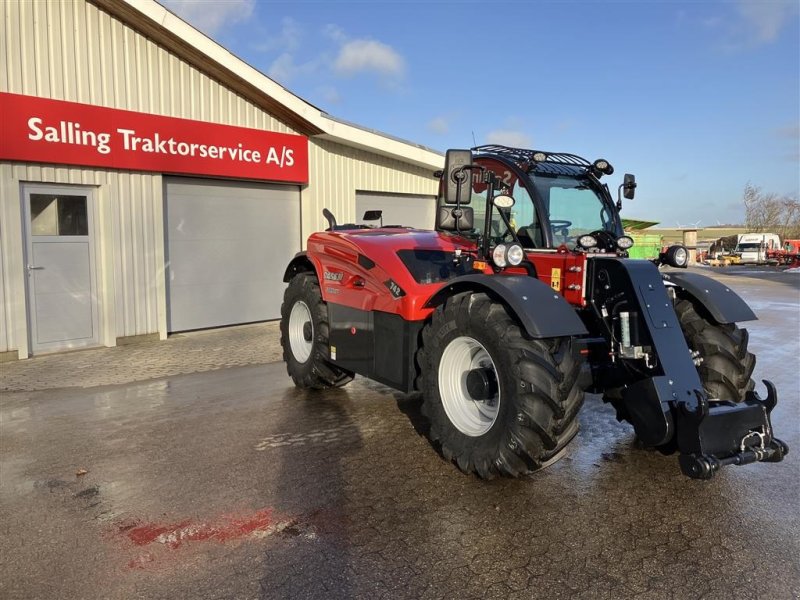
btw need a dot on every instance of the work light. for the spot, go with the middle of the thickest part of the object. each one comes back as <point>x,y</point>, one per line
<point>624,242</point>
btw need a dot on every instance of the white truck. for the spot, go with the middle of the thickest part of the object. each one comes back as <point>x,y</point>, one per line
<point>752,247</point>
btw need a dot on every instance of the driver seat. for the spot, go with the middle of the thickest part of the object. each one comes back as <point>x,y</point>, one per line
<point>530,236</point>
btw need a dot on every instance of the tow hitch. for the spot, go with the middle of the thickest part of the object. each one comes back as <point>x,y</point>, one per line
<point>715,435</point>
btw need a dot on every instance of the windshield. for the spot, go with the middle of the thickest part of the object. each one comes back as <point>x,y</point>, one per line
<point>574,208</point>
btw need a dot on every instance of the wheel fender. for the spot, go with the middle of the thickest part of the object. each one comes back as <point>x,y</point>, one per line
<point>543,312</point>
<point>301,263</point>
<point>724,305</point>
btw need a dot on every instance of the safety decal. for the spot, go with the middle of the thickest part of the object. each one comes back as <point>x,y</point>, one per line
<point>555,279</point>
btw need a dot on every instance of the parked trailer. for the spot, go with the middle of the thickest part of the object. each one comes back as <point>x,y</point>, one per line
<point>753,247</point>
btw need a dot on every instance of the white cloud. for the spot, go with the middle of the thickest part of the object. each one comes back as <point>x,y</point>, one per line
<point>211,16</point>
<point>509,137</point>
<point>288,40</point>
<point>284,68</point>
<point>369,55</point>
<point>335,33</point>
<point>439,125</point>
<point>765,20</point>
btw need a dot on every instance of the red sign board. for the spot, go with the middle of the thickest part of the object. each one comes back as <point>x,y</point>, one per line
<point>36,129</point>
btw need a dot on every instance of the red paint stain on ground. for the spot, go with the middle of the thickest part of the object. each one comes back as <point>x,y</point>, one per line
<point>222,530</point>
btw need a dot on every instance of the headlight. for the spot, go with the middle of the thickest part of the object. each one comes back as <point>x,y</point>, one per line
<point>499,255</point>
<point>515,254</point>
<point>624,242</point>
<point>677,256</point>
<point>587,241</point>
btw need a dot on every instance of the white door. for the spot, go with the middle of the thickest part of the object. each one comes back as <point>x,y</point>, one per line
<point>228,245</point>
<point>398,209</point>
<point>62,298</point>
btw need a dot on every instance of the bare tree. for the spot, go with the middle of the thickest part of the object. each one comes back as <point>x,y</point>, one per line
<point>771,212</point>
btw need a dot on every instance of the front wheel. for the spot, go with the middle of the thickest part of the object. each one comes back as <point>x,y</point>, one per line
<point>304,336</point>
<point>497,403</point>
<point>725,363</point>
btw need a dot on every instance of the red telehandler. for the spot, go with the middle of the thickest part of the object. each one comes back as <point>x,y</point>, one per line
<point>521,299</point>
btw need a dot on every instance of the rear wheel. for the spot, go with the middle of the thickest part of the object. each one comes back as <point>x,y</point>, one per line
<point>304,336</point>
<point>726,364</point>
<point>497,403</point>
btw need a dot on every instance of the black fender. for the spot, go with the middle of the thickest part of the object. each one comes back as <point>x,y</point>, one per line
<point>543,312</point>
<point>724,305</point>
<point>299,264</point>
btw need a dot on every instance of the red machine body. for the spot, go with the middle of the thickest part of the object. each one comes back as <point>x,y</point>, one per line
<point>351,279</point>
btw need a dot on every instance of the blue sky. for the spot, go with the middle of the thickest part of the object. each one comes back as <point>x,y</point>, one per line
<point>695,98</point>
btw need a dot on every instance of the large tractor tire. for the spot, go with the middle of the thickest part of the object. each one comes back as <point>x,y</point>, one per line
<point>726,364</point>
<point>497,403</point>
<point>304,336</point>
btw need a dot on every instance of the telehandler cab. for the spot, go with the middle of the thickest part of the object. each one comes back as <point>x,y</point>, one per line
<point>519,301</point>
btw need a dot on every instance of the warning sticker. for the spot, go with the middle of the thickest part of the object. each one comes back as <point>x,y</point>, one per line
<point>555,279</point>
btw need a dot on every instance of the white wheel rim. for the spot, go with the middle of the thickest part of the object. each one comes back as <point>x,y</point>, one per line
<point>300,315</point>
<point>471,416</point>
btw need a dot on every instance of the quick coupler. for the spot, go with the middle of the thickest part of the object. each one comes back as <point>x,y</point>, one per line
<point>727,433</point>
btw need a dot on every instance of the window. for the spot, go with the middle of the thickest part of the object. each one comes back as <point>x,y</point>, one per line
<point>522,215</point>
<point>59,215</point>
<point>574,208</point>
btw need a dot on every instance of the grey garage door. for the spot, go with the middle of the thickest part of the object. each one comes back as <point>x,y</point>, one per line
<point>398,209</point>
<point>228,244</point>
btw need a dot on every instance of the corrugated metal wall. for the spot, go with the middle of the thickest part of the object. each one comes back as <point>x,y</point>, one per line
<point>336,171</point>
<point>129,248</point>
<point>71,50</point>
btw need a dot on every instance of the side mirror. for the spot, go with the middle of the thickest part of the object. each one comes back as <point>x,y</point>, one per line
<point>629,186</point>
<point>458,183</point>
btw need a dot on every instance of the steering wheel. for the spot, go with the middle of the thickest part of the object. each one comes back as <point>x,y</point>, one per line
<point>560,224</point>
<point>561,227</point>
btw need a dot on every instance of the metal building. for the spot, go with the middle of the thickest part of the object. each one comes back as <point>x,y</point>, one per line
<point>152,182</point>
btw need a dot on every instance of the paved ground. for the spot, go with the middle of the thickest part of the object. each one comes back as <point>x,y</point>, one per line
<point>211,476</point>
<point>183,353</point>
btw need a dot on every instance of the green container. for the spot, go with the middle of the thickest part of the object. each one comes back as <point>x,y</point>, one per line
<point>645,245</point>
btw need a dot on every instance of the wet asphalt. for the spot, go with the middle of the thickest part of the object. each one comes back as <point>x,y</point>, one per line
<point>233,484</point>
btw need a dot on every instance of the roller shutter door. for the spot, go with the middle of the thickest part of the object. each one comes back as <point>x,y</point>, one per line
<point>398,209</point>
<point>228,244</point>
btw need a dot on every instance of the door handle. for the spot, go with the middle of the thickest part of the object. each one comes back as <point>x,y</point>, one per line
<point>32,268</point>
